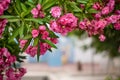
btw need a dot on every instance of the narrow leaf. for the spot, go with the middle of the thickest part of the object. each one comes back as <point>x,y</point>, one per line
<point>27,36</point>
<point>50,43</point>
<point>26,45</point>
<point>14,34</point>
<point>24,8</point>
<point>36,40</point>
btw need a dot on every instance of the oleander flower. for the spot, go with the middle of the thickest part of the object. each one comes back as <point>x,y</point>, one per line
<point>117,26</point>
<point>35,33</point>
<point>97,6</point>
<point>55,11</point>
<point>64,24</point>
<point>22,43</point>
<point>31,50</point>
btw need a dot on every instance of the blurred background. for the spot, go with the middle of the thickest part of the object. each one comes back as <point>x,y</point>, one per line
<point>77,58</point>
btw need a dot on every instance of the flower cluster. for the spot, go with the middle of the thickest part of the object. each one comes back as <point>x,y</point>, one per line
<point>108,8</point>
<point>64,24</point>
<point>37,12</point>
<point>32,50</point>
<point>97,25</point>
<point>6,60</point>
<point>3,6</point>
<point>15,74</point>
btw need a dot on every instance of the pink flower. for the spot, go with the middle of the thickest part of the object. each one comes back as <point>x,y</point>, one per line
<point>96,6</point>
<point>101,24</point>
<point>35,33</point>
<point>102,38</point>
<point>1,10</point>
<point>54,40</point>
<point>68,20</point>
<point>31,50</point>
<point>105,10</point>
<point>5,52</point>
<point>111,5</point>
<point>5,4</point>
<point>35,12</point>
<point>22,71</point>
<point>41,14</point>
<point>82,25</point>
<point>1,76</point>
<point>45,34</point>
<point>54,26</point>
<point>117,26</point>
<point>117,12</point>
<point>3,23</point>
<point>43,48</point>
<point>113,18</point>
<point>10,74</point>
<point>22,43</point>
<point>8,1</point>
<point>64,24</point>
<point>42,28</point>
<point>55,11</point>
<point>12,59</point>
<point>97,16</point>
<point>82,6</point>
<point>39,6</point>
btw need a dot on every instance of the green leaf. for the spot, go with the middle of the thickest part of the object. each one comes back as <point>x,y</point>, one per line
<point>18,6</point>
<point>36,40</point>
<point>22,57</point>
<point>27,36</point>
<point>24,8</point>
<point>50,43</point>
<point>26,45</point>
<point>50,50</point>
<point>23,14</point>
<point>44,2</point>
<point>30,1</point>
<point>92,10</point>
<point>53,35</point>
<point>9,47</point>
<point>49,4</point>
<point>34,20</point>
<point>14,34</point>
<point>9,17</point>
<point>40,1</point>
<point>30,4</point>
<point>13,20</point>
<point>83,1</point>
<point>74,6</point>
<point>21,30</point>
